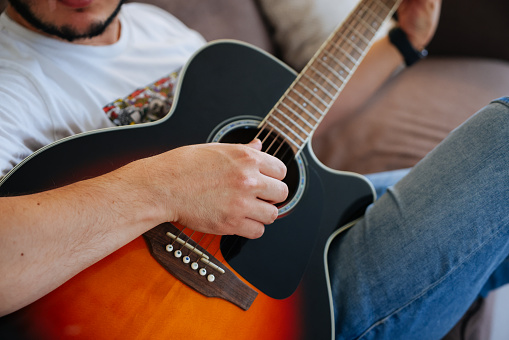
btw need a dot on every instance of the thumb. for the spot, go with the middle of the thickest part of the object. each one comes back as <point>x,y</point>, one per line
<point>255,144</point>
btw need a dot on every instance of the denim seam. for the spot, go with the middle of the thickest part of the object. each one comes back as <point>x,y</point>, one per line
<point>502,100</point>
<point>453,269</point>
<point>424,292</point>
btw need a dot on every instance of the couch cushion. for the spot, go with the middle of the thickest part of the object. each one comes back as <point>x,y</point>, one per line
<point>467,27</point>
<point>221,19</point>
<point>412,113</point>
<point>301,26</point>
<point>218,19</point>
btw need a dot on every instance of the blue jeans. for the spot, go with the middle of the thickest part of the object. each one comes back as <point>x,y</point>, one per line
<point>433,242</point>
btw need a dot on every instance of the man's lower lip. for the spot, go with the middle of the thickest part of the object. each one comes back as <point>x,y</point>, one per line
<point>76,3</point>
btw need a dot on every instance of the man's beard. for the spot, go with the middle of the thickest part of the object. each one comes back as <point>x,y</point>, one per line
<point>66,32</point>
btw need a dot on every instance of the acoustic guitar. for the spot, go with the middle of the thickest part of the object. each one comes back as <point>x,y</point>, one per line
<point>173,283</point>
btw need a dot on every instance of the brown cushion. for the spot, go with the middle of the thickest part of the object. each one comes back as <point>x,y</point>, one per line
<point>217,19</point>
<point>412,113</point>
<point>221,19</point>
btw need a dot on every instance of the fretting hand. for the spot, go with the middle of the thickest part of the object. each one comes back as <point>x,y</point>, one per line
<point>419,19</point>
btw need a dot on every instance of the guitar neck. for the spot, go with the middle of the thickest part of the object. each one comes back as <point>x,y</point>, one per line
<point>301,109</point>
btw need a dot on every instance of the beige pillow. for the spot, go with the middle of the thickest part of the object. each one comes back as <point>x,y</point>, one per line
<point>301,26</point>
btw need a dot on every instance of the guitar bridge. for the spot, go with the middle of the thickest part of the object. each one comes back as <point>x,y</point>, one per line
<point>198,268</point>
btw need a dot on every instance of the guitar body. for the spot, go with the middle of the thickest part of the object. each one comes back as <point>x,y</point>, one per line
<point>128,294</point>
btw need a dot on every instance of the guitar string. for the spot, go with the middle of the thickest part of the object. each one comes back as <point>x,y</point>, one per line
<point>269,132</point>
<point>189,237</point>
<point>210,243</point>
<point>194,248</point>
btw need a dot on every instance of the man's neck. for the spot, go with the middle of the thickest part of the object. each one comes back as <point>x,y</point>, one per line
<point>110,36</point>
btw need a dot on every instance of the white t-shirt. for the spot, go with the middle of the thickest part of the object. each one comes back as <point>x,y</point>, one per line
<point>50,89</point>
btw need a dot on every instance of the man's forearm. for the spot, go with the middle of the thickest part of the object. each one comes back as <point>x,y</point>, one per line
<point>47,238</point>
<point>382,60</point>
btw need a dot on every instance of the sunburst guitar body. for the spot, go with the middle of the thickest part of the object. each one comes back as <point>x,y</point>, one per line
<point>172,283</point>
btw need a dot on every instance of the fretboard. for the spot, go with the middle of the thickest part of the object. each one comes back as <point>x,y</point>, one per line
<point>303,106</point>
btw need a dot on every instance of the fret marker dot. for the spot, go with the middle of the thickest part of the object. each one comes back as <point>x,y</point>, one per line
<point>315,89</point>
<point>304,104</point>
<point>324,58</point>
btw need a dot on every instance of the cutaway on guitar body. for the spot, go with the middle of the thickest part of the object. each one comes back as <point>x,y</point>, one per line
<point>279,281</point>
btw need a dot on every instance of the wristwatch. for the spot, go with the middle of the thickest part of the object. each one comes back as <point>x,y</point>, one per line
<point>400,40</point>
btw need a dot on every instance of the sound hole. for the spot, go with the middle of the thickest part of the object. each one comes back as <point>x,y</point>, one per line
<point>273,145</point>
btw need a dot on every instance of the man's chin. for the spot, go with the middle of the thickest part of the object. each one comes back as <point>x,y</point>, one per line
<point>71,32</point>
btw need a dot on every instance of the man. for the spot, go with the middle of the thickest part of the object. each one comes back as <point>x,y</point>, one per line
<point>58,51</point>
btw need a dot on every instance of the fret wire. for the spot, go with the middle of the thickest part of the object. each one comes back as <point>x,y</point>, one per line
<point>303,109</point>
<point>390,4</point>
<point>333,71</point>
<point>359,35</point>
<point>375,15</point>
<point>324,77</point>
<point>287,138</point>
<point>374,4</point>
<point>297,114</point>
<point>291,121</point>
<point>369,11</point>
<point>314,94</point>
<point>368,26</point>
<point>288,128</point>
<point>365,36</point>
<point>307,100</point>
<point>318,85</point>
<point>265,127</point>
<point>342,42</point>
<point>346,41</point>
<point>338,61</point>
<point>384,5</point>
<point>357,48</point>
<point>345,53</point>
<point>381,9</point>
<point>359,29</point>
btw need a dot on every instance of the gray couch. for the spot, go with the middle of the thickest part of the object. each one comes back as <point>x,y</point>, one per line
<point>414,111</point>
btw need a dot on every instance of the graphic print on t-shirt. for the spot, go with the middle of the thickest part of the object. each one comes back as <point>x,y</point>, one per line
<point>144,105</point>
